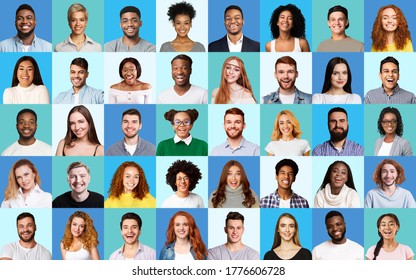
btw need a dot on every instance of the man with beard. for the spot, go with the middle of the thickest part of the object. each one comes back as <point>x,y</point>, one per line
<point>236,144</point>
<point>234,40</point>
<point>234,249</point>
<point>132,144</point>
<point>339,247</point>
<point>183,92</point>
<point>133,249</point>
<point>27,145</point>
<point>130,24</point>
<point>25,40</point>
<point>286,73</point>
<point>26,248</point>
<point>338,145</point>
<point>79,93</point>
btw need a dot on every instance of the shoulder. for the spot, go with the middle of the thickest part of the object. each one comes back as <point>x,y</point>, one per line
<point>110,46</point>
<point>268,46</point>
<point>317,98</point>
<point>304,45</point>
<point>218,45</point>
<point>215,92</point>
<point>166,47</point>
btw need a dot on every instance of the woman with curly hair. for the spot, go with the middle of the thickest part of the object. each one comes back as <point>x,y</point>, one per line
<point>181,15</point>
<point>390,31</point>
<point>183,239</point>
<point>80,238</point>
<point>286,137</point>
<point>286,244</point>
<point>129,188</point>
<point>182,177</point>
<point>390,127</point>
<point>233,189</point>
<point>337,189</point>
<point>287,26</point>
<point>235,87</point>
<point>387,248</point>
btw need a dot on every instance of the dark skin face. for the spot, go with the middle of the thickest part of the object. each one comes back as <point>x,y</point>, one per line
<point>26,127</point>
<point>336,228</point>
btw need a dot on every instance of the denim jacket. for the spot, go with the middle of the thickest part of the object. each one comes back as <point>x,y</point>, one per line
<point>168,252</point>
<point>300,98</point>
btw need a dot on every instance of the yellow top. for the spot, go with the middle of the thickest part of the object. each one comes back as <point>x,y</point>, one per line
<point>126,200</point>
<point>392,48</point>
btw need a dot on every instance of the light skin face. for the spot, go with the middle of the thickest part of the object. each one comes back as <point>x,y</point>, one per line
<point>78,179</point>
<point>181,227</point>
<point>388,228</point>
<point>285,21</point>
<point>26,229</point>
<point>183,126</point>
<point>286,75</point>
<point>234,126</point>
<point>337,23</point>
<point>182,184</point>
<point>389,20</point>
<point>25,73</point>
<point>234,177</point>
<point>78,23</point>
<point>78,76</point>
<point>182,25</point>
<point>338,123</point>
<point>285,177</point>
<point>25,178</point>
<point>131,178</point>
<point>130,23</point>
<point>286,126</point>
<point>26,126</point>
<point>77,227</point>
<point>389,76</point>
<point>339,76</point>
<point>232,72</point>
<point>181,72</point>
<point>287,228</point>
<point>131,125</point>
<point>129,73</point>
<point>233,22</point>
<point>25,23</point>
<point>336,228</point>
<point>389,123</point>
<point>388,175</point>
<point>130,231</point>
<point>79,125</point>
<point>338,177</point>
<point>234,231</point>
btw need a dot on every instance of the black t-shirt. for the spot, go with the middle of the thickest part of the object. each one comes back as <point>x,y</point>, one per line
<point>94,200</point>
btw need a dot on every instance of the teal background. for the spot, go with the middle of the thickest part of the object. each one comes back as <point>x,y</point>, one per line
<point>320,20</point>
<point>113,239</point>
<point>59,177</point>
<point>164,190</point>
<point>94,29</point>
<point>269,113</point>
<point>251,64</point>
<point>268,222</point>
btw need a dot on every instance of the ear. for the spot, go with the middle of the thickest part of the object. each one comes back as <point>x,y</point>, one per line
<point>225,230</point>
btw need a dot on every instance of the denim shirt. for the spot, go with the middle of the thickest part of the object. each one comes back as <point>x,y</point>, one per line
<point>300,98</point>
<point>168,252</point>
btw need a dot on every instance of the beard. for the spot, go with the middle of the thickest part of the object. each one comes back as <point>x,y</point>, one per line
<point>28,239</point>
<point>26,138</point>
<point>338,136</point>
<point>336,240</point>
<point>235,136</point>
<point>283,86</point>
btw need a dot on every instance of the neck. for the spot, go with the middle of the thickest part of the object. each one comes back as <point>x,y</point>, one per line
<point>131,247</point>
<point>339,144</point>
<point>235,37</point>
<point>336,91</point>
<point>284,36</point>
<point>389,190</point>
<point>182,194</point>
<point>389,243</point>
<point>181,90</point>
<point>342,241</point>
<point>287,244</point>
<point>28,244</point>
<point>335,190</point>
<point>288,137</point>
<point>336,37</point>
<point>131,140</point>
<point>80,38</point>
<point>130,41</point>
<point>284,193</point>
<point>77,89</point>
<point>80,197</point>
<point>182,241</point>
<point>234,247</point>
<point>27,39</point>
<point>182,39</point>
<point>390,38</point>
<point>26,142</point>
<point>286,91</point>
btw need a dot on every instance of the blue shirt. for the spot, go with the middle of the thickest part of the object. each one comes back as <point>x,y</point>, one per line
<point>327,148</point>
<point>300,98</point>
<point>15,44</point>
<point>245,148</point>
<point>87,95</point>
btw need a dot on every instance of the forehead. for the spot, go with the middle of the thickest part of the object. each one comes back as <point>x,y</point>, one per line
<point>286,13</point>
<point>335,220</point>
<point>76,116</point>
<point>286,220</point>
<point>27,115</point>
<point>25,220</point>
<point>22,169</point>
<point>286,168</point>
<point>233,117</point>
<point>26,63</point>
<point>284,117</point>
<point>181,115</point>
<point>131,169</point>
<point>129,222</point>
<point>129,64</point>
<point>388,166</point>
<point>78,170</point>
<point>235,223</point>
<point>77,14</point>
<point>388,11</point>
<point>234,168</point>
<point>337,115</point>
<point>180,61</point>
<point>389,115</point>
<point>389,65</point>
<point>233,62</point>
<point>129,15</point>
<point>339,166</point>
<point>387,219</point>
<point>25,12</point>
<point>340,67</point>
<point>285,66</point>
<point>78,220</point>
<point>76,67</point>
<point>232,13</point>
<point>180,219</point>
<point>131,117</point>
<point>337,15</point>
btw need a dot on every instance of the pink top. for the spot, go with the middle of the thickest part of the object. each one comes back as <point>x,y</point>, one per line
<point>402,252</point>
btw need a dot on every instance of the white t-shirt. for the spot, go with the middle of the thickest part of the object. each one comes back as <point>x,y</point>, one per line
<point>16,252</point>
<point>327,250</point>
<point>38,148</point>
<point>287,98</point>
<point>324,98</point>
<point>193,200</point>
<point>385,149</point>
<point>295,147</point>
<point>195,95</point>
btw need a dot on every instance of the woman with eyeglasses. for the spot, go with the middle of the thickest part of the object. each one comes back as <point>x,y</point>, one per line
<point>182,144</point>
<point>390,127</point>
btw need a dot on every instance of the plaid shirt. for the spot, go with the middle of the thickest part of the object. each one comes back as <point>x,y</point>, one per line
<point>350,148</point>
<point>273,201</point>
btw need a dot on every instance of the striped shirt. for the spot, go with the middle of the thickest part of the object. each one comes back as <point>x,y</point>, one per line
<point>399,96</point>
<point>273,201</point>
<point>350,148</point>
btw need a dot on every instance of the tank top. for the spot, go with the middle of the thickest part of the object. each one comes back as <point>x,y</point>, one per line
<point>296,49</point>
<point>96,147</point>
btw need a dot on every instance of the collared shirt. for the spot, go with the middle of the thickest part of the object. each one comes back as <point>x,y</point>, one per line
<point>380,96</point>
<point>300,98</point>
<point>69,46</point>
<point>187,140</point>
<point>245,148</point>
<point>15,44</point>
<point>143,148</point>
<point>144,252</point>
<point>350,148</point>
<point>273,201</point>
<point>37,198</point>
<point>235,47</point>
<point>87,95</point>
<point>118,46</point>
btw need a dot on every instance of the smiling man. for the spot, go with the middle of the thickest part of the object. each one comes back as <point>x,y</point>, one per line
<point>284,197</point>
<point>286,73</point>
<point>182,92</point>
<point>234,249</point>
<point>339,42</point>
<point>27,144</point>
<point>25,40</point>
<point>79,197</point>
<point>236,144</point>
<point>389,92</point>
<point>80,93</point>
<point>234,40</point>
<point>133,249</point>
<point>338,247</point>
<point>130,23</point>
